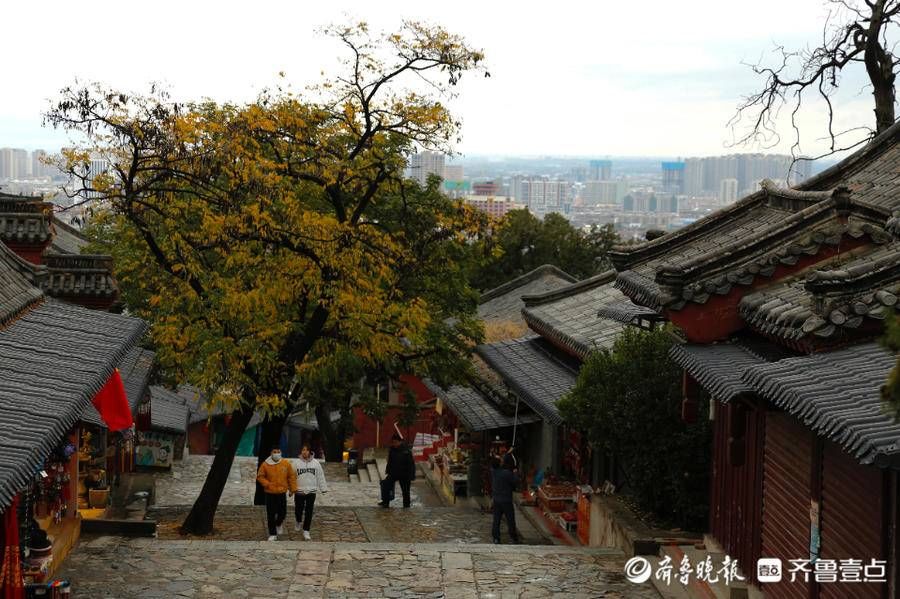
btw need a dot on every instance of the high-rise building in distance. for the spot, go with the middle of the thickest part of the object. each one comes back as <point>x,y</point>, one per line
<point>673,177</point>
<point>424,164</point>
<point>600,170</point>
<point>728,191</point>
<point>704,176</point>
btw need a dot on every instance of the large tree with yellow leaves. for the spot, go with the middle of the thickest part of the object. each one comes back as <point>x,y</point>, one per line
<point>272,243</point>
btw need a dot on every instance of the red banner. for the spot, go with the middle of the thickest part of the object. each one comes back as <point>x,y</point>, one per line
<point>112,403</point>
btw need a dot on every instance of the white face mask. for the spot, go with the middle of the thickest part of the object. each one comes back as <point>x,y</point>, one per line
<point>276,457</point>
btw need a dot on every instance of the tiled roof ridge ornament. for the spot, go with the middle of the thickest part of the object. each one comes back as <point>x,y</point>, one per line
<point>893,224</point>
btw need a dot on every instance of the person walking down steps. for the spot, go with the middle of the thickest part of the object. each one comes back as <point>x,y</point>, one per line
<point>401,468</point>
<point>310,479</point>
<point>277,478</point>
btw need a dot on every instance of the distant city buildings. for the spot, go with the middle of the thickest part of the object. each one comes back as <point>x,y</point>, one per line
<point>728,191</point>
<point>542,195</point>
<point>487,188</point>
<point>17,164</point>
<point>424,164</point>
<point>673,177</point>
<point>600,170</point>
<point>704,176</point>
<point>603,192</point>
<point>492,205</point>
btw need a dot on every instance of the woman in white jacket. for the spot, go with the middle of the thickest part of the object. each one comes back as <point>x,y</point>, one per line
<point>310,480</point>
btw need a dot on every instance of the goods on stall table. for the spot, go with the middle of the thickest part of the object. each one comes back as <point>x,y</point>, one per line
<point>556,497</point>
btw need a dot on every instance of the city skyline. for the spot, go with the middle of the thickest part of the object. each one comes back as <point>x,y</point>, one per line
<point>602,93</point>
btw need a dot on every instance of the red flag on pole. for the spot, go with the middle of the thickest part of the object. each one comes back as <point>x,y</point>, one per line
<point>112,403</point>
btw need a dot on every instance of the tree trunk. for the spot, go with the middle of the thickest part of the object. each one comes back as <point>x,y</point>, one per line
<point>200,519</point>
<point>880,68</point>
<point>270,438</point>
<point>332,436</point>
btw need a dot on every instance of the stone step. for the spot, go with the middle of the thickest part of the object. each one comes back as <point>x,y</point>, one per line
<point>374,475</point>
<point>364,475</point>
<point>354,478</point>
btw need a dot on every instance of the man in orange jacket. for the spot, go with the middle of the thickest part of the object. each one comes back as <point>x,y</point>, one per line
<point>277,478</point>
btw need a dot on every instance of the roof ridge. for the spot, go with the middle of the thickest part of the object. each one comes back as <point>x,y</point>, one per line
<point>523,279</point>
<point>575,288</point>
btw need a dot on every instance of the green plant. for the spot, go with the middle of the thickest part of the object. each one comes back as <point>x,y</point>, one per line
<point>628,402</point>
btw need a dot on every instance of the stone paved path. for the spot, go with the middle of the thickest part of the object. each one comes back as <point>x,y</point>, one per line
<point>353,525</point>
<point>183,484</point>
<point>112,567</point>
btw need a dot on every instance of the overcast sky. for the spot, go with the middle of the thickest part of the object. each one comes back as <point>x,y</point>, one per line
<point>655,78</point>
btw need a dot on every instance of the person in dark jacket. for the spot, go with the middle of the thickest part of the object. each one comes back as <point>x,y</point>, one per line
<point>401,468</point>
<point>504,481</point>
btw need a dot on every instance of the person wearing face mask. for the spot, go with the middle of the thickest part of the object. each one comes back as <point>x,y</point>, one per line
<point>310,479</point>
<point>277,478</point>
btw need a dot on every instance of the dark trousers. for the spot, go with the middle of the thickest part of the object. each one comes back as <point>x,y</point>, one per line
<point>276,510</point>
<point>303,508</point>
<point>387,489</point>
<point>504,508</point>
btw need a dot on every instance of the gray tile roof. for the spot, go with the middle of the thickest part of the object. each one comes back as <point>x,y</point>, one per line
<point>168,411</point>
<point>568,316</point>
<point>831,300</point>
<point>750,239</point>
<point>135,368</point>
<point>534,371</point>
<point>53,360</point>
<point>717,367</point>
<point>16,291</point>
<point>66,238</point>
<point>837,394</point>
<point>475,410</point>
<point>504,303</point>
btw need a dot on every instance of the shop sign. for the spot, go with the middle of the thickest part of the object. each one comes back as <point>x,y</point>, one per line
<point>154,449</point>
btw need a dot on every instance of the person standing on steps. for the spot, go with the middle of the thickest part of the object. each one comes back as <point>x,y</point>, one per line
<point>277,478</point>
<point>504,480</point>
<point>401,468</point>
<point>310,479</point>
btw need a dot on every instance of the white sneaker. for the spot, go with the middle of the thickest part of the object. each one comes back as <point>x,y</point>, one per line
<point>306,536</point>
<point>297,527</point>
<point>273,538</point>
<point>280,529</point>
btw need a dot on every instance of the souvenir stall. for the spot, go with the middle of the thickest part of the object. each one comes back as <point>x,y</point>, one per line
<point>47,514</point>
<point>452,462</point>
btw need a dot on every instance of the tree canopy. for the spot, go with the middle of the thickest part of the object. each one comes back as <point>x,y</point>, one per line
<point>273,242</point>
<point>520,242</point>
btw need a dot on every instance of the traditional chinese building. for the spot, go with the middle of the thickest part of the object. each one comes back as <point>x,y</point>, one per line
<point>779,299</point>
<point>55,359</point>
<point>487,406</point>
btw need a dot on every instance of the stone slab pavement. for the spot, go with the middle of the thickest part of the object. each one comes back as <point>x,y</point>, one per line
<point>353,525</point>
<point>119,568</point>
<point>182,485</point>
